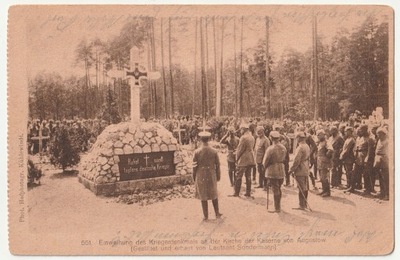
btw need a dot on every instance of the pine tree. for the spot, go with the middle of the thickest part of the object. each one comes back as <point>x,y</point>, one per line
<point>109,111</point>
<point>62,151</point>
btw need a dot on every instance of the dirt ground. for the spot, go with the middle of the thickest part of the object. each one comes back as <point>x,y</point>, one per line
<point>340,224</point>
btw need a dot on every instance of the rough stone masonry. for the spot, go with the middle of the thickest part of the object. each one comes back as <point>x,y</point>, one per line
<point>100,165</point>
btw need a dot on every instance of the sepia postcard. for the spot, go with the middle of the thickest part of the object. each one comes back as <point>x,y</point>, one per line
<point>201,130</point>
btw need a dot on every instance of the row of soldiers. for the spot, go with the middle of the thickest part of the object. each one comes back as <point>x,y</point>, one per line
<point>324,150</point>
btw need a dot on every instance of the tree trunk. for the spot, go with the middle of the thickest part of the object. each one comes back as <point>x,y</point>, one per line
<point>154,66</point>
<point>216,84</point>
<point>86,87</point>
<point>150,83</point>
<point>203,76</point>
<point>195,69</point>
<point>222,66</point>
<point>206,68</point>
<point>217,79</point>
<point>267,90</point>
<point>171,80</point>
<point>163,71</point>
<point>241,72</point>
<point>315,66</point>
<point>235,71</point>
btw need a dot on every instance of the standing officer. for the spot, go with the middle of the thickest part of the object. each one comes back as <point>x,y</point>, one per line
<point>232,141</point>
<point>262,144</point>
<point>381,163</point>
<point>299,168</point>
<point>336,141</point>
<point>206,173</point>
<point>285,142</point>
<point>363,159</point>
<point>274,163</point>
<point>324,163</point>
<point>347,156</point>
<point>245,160</point>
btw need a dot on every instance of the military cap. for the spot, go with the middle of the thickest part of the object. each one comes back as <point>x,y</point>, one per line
<point>275,134</point>
<point>301,129</point>
<point>349,128</point>
<point>204,134</point>
<point>333,128</point>
<point>301,134</point>
<point>363,126</point>
<point>244,125</point>
<point>321,132</point>
<point>382,130</point>
<point>231,129</point>
<point>259,128</point>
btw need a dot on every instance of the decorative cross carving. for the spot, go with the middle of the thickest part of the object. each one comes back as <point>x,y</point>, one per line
<point>146,158</point>
<point>137,74</point>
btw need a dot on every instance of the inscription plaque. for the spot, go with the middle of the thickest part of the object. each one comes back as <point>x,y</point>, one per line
<point>146,165</point>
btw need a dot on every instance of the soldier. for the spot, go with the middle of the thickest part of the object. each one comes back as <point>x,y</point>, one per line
<point>206,174</point>
<point>245,160</point>
<point>363,159</point>
<point>262,144</point>
<point>286,142</point>
<point>381,162</point>
<point>336,141</point>
<point>311,138</point>
<point>347,157</point>
<point>232,144</point>
<point>299,169</point>
<point>369,178</point>
<point>313,149</point>
<point>324,163</point>
<point>252,128</point>
<point>275,169</point>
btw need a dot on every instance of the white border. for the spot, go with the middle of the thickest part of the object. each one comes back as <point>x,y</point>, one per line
<point>5,4</point>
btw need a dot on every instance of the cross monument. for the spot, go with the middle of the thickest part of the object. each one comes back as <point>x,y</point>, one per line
<point>137,72</point>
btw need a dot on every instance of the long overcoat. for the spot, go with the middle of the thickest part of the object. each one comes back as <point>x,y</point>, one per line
<point>206,173</point>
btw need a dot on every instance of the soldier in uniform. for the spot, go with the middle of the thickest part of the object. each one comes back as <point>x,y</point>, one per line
<point>252,128</point>
<point>286,142</point>
<point>347,156</point>
<point>245,160</point>
<point>274,161</point>
<point>324,163</point>
<point>381,163</point>
<point>336,141</point>
<point>262,144</point>
<point>206,174</point>
<point>299,169</point>
<point>363,159</point>
<point>232,141</point>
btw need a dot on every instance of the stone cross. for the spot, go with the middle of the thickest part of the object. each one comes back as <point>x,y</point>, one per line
<point>40,138</point>
<point>138,71</point>
<point>179,130</point>
<point>204,127</point>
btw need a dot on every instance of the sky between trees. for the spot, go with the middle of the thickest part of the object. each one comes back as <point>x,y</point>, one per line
<point>54,36</point>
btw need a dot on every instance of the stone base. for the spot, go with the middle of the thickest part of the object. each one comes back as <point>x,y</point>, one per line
<point>123,187</point>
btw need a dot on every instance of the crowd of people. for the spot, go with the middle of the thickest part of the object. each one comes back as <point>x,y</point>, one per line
<point>259,150</point>
<point>327,151</point>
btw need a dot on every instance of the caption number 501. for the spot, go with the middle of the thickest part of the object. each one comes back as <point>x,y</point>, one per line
<point>86,243</point>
